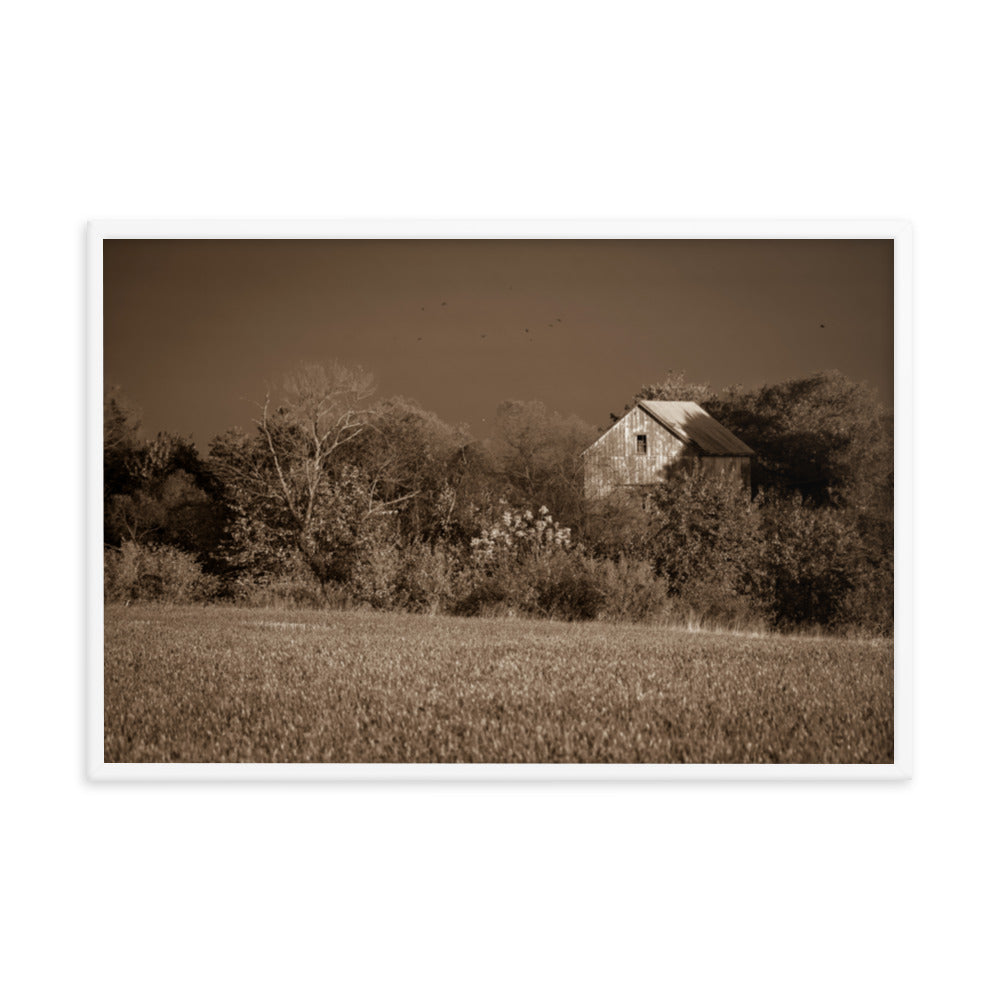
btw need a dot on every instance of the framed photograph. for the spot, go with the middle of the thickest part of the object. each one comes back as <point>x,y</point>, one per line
<point>506,500</point>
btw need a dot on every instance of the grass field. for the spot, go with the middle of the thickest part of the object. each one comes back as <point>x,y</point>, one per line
<point>224,684</point>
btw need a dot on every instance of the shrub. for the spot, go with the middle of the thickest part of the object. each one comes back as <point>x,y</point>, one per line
<point>524,562</point>
<point>813,560</point>
<point>375,574</point>
<point>284,583</point>
<point>622,524</point>
<point>868,608</point>
<point>485,596</point>
<point>562,584</point>
<point>154,573</point>
<point>553,583</point>
<point>708,537</point>
<point>630,589</point>
<point>426,580</point>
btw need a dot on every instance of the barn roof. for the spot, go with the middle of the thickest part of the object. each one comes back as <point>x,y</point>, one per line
<point>688,421</point>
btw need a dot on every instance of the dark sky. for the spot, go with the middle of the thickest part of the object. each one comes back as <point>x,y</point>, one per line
<point>194,329</point>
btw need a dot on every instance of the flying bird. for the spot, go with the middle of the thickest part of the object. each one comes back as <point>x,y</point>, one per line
<point>822,326</point>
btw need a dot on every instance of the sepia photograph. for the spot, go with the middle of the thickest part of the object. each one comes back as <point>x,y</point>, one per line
<point>522,552</point>
<point>605,505</point>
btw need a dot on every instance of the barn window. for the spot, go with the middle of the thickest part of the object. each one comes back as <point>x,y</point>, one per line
<point>640,444</point>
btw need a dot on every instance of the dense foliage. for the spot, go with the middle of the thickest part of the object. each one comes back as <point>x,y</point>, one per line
<point>336,500</point>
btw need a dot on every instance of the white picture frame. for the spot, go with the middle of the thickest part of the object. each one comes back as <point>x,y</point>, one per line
<point>898,231</point>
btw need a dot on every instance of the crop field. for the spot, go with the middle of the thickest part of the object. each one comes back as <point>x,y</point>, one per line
<point>222,684</point>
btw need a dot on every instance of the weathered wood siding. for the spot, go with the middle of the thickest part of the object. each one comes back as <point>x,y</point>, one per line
<point>613,460</point>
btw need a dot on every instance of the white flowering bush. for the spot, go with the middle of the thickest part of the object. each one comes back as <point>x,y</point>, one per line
<point>523,562</point>
<point>516,534</point>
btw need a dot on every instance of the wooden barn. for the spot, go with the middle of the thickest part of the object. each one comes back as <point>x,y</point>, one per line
<point>656,437</point>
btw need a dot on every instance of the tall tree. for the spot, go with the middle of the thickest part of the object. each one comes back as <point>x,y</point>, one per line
<point>822,436</point>
<point>674,385</point>
<point>170,499</point>
<point>121,442</point>
<point>406,451</point>
<point>827,440</point>
<point>291,485</point>
<point>540,454</point>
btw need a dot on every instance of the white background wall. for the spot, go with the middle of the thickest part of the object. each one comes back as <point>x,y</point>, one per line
<point>308,110</point>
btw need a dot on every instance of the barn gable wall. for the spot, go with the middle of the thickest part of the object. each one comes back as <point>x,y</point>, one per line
<point>613,460</point>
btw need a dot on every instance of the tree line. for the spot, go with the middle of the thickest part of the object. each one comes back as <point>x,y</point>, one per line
<point>335,498</point>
